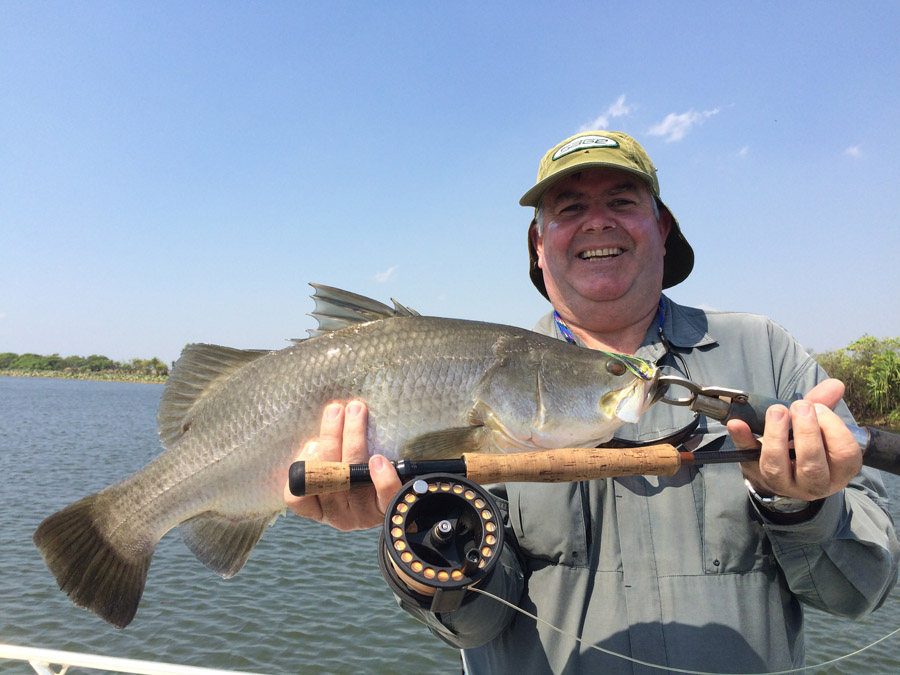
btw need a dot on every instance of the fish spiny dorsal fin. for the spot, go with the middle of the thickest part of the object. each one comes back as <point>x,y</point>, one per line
<point>336,309</point>
<point>196,374</point>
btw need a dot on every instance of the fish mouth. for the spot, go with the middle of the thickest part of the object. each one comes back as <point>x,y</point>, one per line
<point>635,400</point>
<point>601,253</point>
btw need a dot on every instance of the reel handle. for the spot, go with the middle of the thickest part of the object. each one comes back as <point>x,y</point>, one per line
<point>308,478</point>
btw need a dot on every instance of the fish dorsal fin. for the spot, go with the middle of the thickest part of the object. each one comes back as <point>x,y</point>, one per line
<point>447,443</point>
<point>336,309</point>
<point>196,374</point>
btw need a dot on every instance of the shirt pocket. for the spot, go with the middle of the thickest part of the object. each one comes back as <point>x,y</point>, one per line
<point>550,524</point>
<point>733,539</point>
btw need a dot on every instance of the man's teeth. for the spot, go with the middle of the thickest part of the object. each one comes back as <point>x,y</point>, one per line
<point>600,253</point>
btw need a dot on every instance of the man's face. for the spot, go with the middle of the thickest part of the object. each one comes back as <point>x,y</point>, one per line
<point>601,240</point>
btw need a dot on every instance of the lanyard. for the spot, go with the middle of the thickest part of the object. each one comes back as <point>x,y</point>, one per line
<point>570,337</point>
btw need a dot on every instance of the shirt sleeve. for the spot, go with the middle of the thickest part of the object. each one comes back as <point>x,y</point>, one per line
<point>844,559</point>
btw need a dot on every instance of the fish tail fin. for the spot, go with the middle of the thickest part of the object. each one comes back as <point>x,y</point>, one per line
<point>88,568</point>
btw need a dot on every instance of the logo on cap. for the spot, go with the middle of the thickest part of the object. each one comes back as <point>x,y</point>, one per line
<point>584,143</point>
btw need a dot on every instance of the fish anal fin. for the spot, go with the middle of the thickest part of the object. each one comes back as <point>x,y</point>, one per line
<point>224,543</point>
<point>196,374</point>
<point>87,568</point>
<point>447,443</point>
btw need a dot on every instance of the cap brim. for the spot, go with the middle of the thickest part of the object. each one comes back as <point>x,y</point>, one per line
<point>535,194</point>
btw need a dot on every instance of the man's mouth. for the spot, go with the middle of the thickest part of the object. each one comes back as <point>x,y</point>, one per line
<point>600,253</point>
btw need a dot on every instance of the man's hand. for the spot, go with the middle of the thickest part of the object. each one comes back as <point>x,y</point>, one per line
<point>827,456</point>
<point>342,438</point>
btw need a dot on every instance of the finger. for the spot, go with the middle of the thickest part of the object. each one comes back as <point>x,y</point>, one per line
<point>386,481</point>
<point>842,450</point>
<point>775,465</point>
<point>828,392</point>
<point>812,473</point>
<point>355,443</point>
<point>331,431</point>
<point>356,451</point>
<point>741,436</point>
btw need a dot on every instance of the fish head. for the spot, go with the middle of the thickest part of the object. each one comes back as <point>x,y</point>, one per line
<point>565,396</point>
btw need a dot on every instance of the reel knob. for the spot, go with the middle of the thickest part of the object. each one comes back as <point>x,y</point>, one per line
<point>442,533</point>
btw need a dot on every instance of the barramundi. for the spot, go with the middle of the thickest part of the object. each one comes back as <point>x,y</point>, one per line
<point>231,421</point>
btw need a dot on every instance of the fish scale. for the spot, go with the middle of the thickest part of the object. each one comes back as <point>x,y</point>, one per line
<point>231,421</point>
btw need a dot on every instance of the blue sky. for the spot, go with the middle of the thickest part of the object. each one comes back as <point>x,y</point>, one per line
<point>177,172</point>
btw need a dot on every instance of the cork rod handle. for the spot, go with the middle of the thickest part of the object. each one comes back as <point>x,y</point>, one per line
<point>544,466</point>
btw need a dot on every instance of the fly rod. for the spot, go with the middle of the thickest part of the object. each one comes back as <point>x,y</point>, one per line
<point>313,477</point>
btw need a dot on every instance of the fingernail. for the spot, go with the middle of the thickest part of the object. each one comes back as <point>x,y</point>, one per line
<point>776,413</point>
<point>376,463</point>
<point>821,407</point>
<point>333,410</point>
<point>802,408</point>
<point>354,408</point>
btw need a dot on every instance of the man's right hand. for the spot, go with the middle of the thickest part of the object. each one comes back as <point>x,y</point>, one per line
<point>342,438</point>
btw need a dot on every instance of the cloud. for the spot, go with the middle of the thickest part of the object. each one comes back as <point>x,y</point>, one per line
<point>387,275</point>
<point>743,152</point>
<point>853,151</point>
<point>617,109</point>
<point>675,127</point>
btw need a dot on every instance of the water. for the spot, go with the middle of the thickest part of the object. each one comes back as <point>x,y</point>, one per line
<point>310,600</point>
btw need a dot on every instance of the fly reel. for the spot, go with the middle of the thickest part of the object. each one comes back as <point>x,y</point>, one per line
<point>442,533</point>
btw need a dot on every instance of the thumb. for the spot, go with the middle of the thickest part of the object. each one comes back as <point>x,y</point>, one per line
<point>385,479</point>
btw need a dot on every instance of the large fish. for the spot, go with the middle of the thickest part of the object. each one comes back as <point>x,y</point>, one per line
<point>231,421</point>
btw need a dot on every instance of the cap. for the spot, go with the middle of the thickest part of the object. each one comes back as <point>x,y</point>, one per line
<point>611,150</point>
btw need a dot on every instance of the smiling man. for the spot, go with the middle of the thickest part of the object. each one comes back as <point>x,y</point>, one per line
<point>707,570</point>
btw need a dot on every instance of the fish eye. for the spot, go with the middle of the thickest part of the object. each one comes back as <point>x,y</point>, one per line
<point>616,368</point>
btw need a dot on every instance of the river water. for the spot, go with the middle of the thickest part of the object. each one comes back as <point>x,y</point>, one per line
<point>310,600</point>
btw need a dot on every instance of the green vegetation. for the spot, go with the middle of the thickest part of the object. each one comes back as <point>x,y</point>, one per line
<point>94,367</point>
<point>870,368</point>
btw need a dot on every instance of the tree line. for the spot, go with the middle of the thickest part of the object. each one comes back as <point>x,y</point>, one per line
<point>869,367</point>
<point>94,364</point>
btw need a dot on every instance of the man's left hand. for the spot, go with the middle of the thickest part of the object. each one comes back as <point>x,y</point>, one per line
<point>826,455</point>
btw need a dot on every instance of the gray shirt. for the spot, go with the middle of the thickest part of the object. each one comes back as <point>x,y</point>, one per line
<point>682,571</point>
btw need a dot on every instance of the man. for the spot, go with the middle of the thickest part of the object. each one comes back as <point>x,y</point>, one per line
<point>704,570</point>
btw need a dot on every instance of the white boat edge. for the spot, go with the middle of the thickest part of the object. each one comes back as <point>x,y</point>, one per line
<point>43,660</point>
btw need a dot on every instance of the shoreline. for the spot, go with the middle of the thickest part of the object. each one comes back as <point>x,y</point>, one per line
<point>102,376</point>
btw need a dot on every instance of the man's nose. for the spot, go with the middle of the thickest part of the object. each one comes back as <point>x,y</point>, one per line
<point>597,218</point>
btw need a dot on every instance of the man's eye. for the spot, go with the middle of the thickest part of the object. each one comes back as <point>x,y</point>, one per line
<point>618,203</point>
<point>572,208</point>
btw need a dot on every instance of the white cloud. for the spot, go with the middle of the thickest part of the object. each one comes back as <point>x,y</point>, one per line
<point>617,109</point>
<point>743,152</point>
<point>675,127</point>
<point>853,151</point>
<point>387,275</point>
<point>2,316</point>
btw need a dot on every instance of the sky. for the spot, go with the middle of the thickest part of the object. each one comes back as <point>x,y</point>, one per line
<point>176,172</point>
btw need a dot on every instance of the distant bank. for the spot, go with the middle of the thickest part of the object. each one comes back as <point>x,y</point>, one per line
<point>104,376</point>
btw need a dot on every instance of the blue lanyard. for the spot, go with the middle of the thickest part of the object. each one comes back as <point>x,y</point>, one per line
<point>570,337</point>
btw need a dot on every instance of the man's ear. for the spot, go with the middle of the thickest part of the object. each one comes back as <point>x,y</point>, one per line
<point>536,241</point>
<point>664,223</point>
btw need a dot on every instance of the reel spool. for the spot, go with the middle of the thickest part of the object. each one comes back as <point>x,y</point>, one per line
<point>443,533</point>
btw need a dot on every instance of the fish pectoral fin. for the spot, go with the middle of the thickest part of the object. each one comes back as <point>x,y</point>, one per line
<point>224,543</point>
<point>447,443</point>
